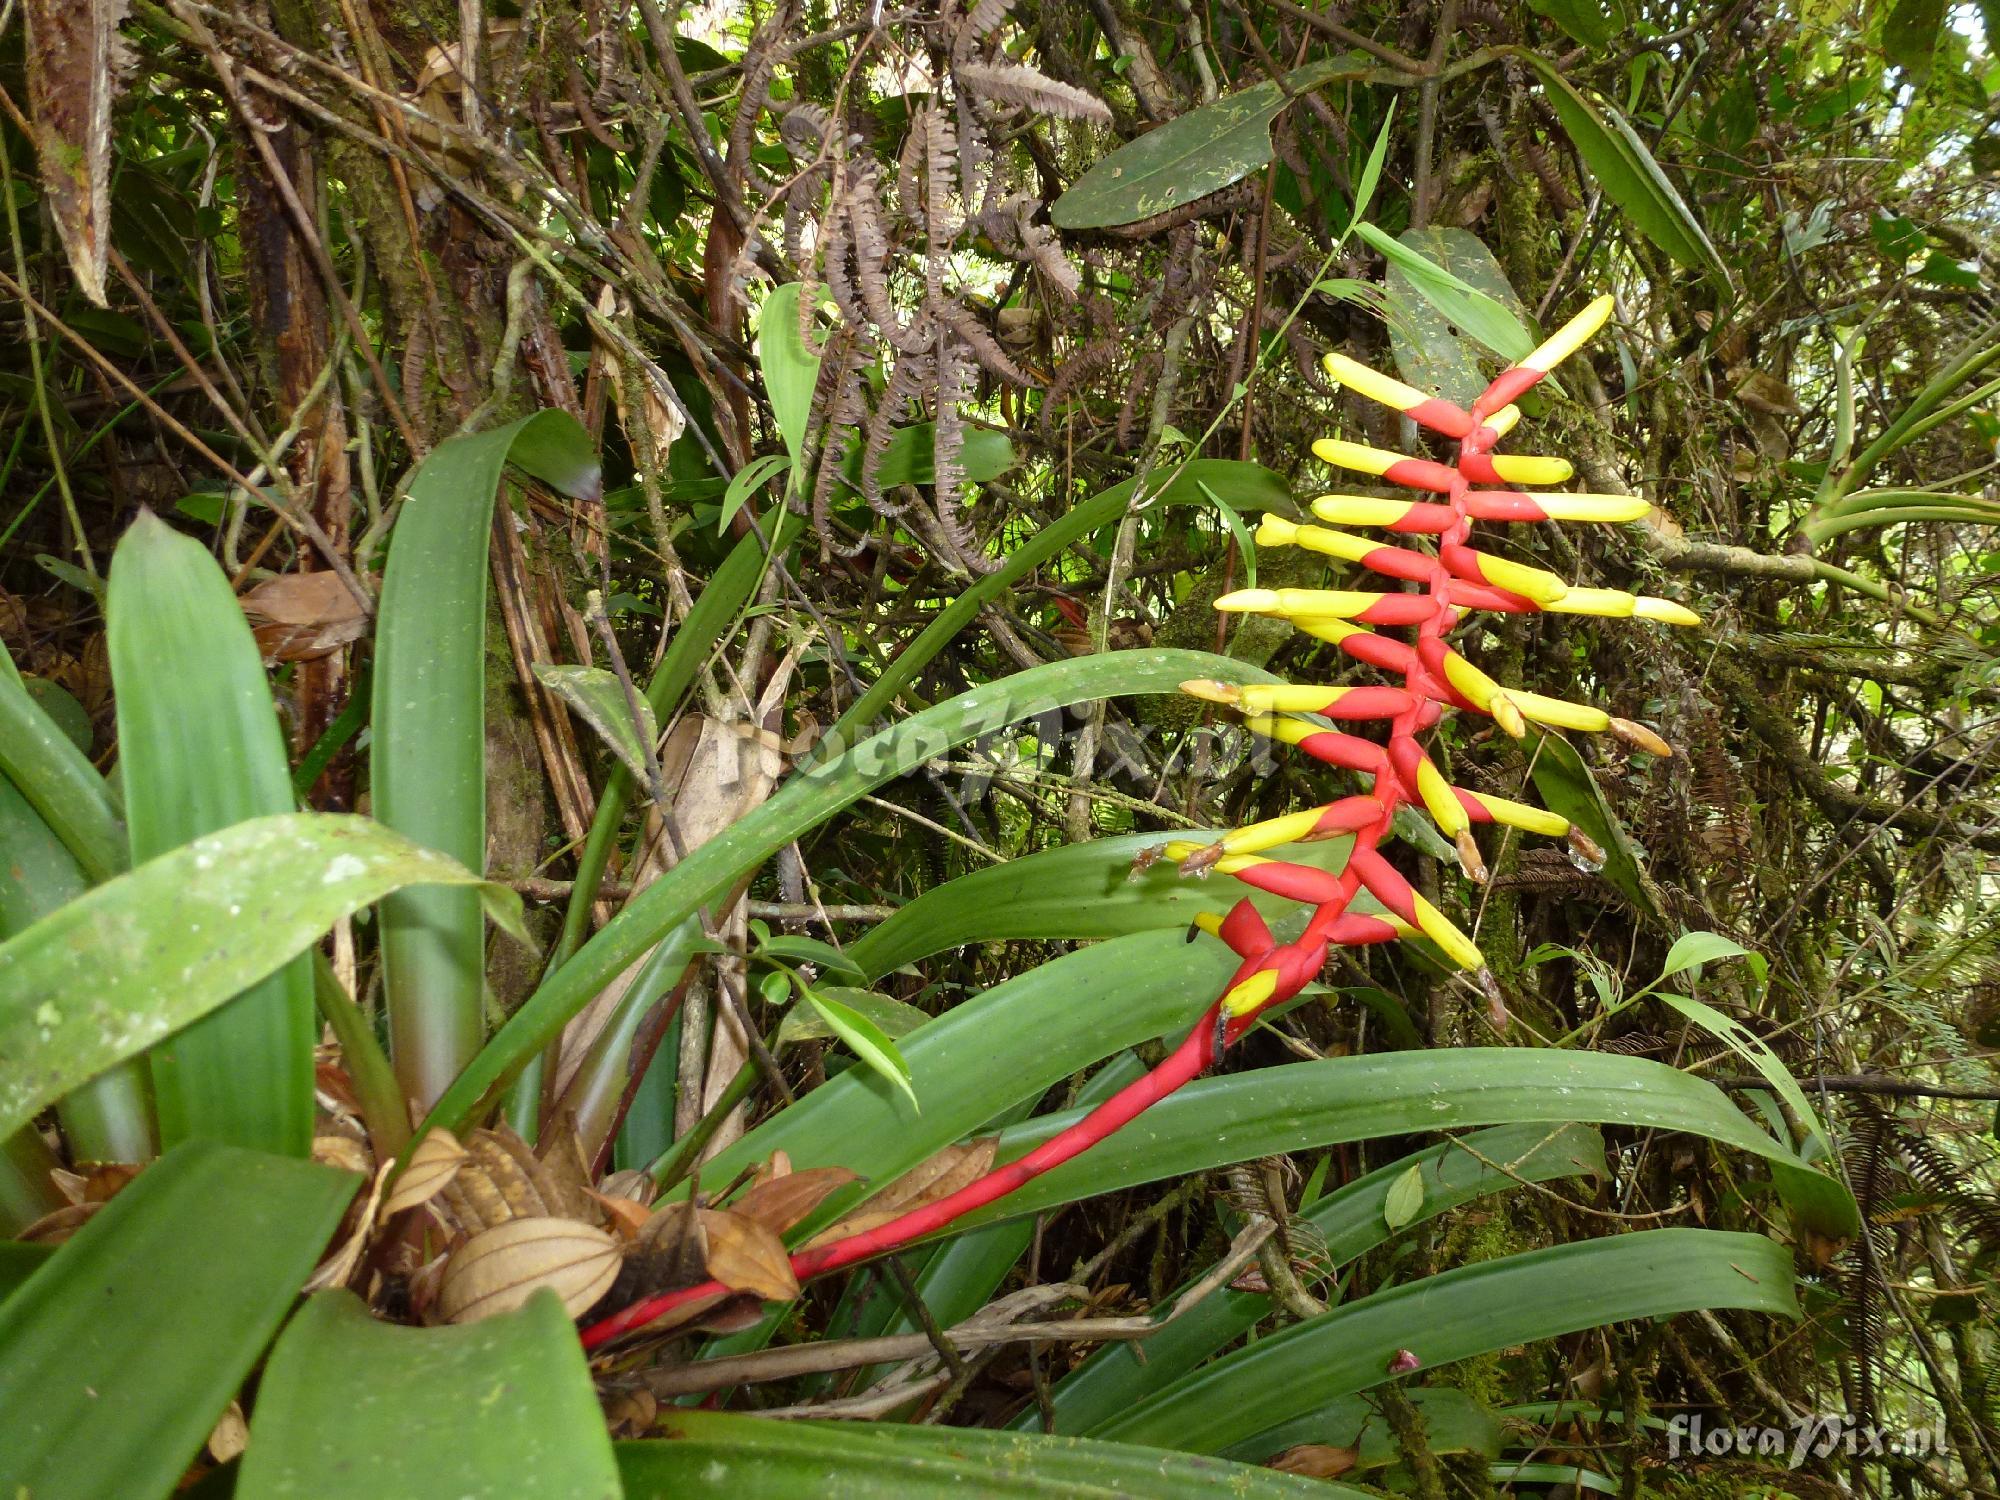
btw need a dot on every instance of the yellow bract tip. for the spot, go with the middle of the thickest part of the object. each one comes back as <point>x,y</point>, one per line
<point>1440,800</point>
<point>1340,544</point>
<point>1558,713</point>
<point>1614,604</point>
<point>1593,507</point>
<point>1247,601</point>
<point>1537,584</point>
<point>1357,456</point>
<point>1663,610</point>
<point>1567,339</point>
<point>1209,922</point>
<point>1269,834</point>
<point>1521,815</point>
<point>1251,993</point>
<point>1211,691</point>
<point>1373,384</point>
<point>1507,715</point>
<point>1322,628</point>
<point>1456,945</point>
<point>1276,531</point>
<point>1359,510</point>
<point>1502,421</point>
<point>1528,468</point>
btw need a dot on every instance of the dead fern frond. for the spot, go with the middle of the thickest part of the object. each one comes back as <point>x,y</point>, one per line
<point>1021,86</point>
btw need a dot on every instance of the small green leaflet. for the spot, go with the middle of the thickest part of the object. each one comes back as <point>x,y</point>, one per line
<point>752,477</point>
<point>1238,530</point>
<point>1475,313</point>
<point>1405,1199</point>
<point>865,1040</point>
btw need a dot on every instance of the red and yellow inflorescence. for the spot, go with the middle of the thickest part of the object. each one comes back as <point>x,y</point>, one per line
<point>1456,577</point>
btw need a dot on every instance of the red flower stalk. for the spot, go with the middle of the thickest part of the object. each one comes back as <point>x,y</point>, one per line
<point>1456,578</point>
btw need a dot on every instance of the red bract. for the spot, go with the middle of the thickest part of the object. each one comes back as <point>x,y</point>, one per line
<point>1456,578</point>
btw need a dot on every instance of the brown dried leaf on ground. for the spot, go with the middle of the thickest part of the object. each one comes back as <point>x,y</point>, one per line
<point>781,1202</point>
<point>299,616</point>
<point>433,1164</point>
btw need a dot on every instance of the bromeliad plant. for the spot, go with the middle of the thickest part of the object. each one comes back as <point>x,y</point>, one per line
<point>143,943</point>
<point>1457,578</point>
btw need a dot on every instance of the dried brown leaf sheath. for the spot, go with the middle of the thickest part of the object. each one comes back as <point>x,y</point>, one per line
<point>75,61</point>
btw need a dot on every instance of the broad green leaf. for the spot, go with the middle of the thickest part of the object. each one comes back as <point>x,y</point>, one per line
<point>59,781</point>
<point>1909,31</point>
<point>1593,22</point>
<point>1215,1121</point>
<point>1626,171</point>
<point>428,759</point>
<point>1471,310</point>
<point>19,1261</point>
<point>133,1336</point>
<point>199,749</point>
<point>598,698</point>
<point>1352,1220</point>
<point>909,457</point>
<point>107,975</point>
<point>1692,948</point>
<point>891,1017</point>
<point>1426,338</point>
<point>803,803</point>
<point>1074,891</point>
<point>865,1040</point>
<point>351,1408</point>
<point>789,368</point>
<point>1493,1305</point>
<point>1567,787</point>
<point>1192,155</point>
<point>735,1457</point>
<point>1405,1199</point>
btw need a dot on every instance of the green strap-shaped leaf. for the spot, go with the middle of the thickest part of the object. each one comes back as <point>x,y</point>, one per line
<point>1192,155</point>
<point>121,1350</point>
<point>1296,1106</point>
<point>355,1409</point>
<point>429,752</point>
<point>58,780</point>
<point>802,804</point>
<point>199,749</point>
<point>734,1457</point>
<point>107,975</point>
<point>1351,1220</point>
<point>1493,1305</point>
<point>1075,891</point>
<point>109,1118</point>
<point>1453,1423</point>
<point>1627,172</point>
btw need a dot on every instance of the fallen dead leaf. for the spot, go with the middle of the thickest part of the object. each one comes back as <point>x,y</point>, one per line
<point>936,1177</point>
<point>1315,1460</point>
<point>435,1162</point>
<point>498,1269</point>
<point>780,1202</point>
<point>747,1256</point>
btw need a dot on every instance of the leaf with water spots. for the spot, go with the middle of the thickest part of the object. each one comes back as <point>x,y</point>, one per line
<point>135,959</point>
<point>1199,153</point>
